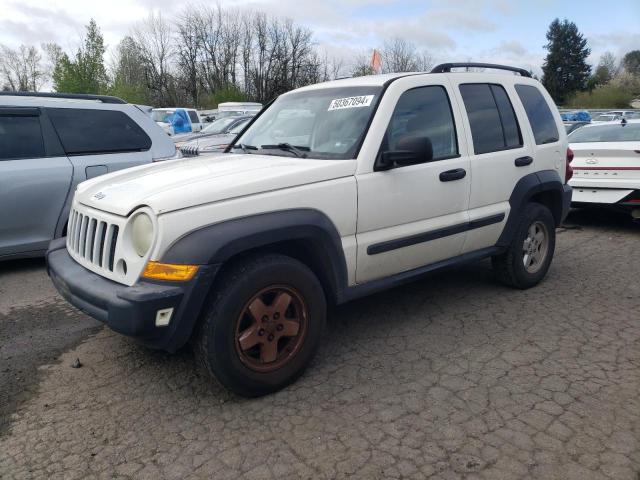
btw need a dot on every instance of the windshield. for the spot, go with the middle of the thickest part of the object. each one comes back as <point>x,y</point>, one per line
<point>607,133</point>
<point>327,123</point>
<point>163,116</point>
<point>219,125</point>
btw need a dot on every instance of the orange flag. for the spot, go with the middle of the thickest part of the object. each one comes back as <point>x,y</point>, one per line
<point>376,62</point>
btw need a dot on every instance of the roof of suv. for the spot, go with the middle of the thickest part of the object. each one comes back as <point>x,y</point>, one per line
<point>64,96</point>
<point>380,80</point>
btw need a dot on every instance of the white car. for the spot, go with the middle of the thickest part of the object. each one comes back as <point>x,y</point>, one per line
<point>335,191</point>
<point>177,120</point>
<point>606,165</point>
<point>606,118</point>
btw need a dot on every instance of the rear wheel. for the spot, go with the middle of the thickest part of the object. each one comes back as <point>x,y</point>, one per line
<point>529,256</point>
<point>262,325</point>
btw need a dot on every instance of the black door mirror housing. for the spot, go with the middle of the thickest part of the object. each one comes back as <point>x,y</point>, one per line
<point>410,150</point>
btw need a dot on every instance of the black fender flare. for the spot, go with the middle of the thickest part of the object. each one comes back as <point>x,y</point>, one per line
<point>219,242</point>
<point>529,186</point>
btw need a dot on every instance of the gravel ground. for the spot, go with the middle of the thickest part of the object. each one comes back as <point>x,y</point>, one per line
<point>450,377</point>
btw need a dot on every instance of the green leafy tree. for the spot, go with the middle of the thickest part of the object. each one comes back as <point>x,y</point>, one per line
<point>128,74</point>
<point>631,62</point>
<point>84,73</point>
<point>565,67</point>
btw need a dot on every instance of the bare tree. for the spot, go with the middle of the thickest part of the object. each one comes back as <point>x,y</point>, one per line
<point>607,68</point>
<point>22,69</point>
<point>361,65</point>
<point>155,41</point>
<point>189,49</point>
<point>399,55</point>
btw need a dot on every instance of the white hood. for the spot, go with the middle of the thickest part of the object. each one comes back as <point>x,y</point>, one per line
<point>183,183</point>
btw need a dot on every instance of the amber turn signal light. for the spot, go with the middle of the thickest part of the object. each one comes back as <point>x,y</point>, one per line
<point>169,272</point>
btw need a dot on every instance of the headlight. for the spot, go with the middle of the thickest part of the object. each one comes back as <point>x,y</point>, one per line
<point>142,233</point>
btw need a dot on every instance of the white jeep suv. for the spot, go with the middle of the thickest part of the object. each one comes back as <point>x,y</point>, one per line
<point>334,191</point>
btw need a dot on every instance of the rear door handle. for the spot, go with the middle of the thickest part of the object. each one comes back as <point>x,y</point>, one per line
<point>451,175</point>
<point>523,161</point>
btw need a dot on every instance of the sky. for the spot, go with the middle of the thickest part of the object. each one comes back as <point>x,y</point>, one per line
<point>498,31</point>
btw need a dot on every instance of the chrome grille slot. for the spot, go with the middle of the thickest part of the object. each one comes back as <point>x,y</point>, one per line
<point>92,239</point>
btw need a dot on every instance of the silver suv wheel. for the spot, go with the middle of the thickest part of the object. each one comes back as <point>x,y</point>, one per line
<point>535,247</point>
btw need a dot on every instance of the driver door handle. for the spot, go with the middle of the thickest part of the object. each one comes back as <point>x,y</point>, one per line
<point>451,175</point>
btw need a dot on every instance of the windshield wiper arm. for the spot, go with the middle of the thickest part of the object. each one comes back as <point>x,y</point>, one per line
<point>287,147</point>
<point>244,147</point>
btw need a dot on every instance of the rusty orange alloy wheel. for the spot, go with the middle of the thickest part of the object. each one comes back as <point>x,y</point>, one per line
<point>271,328</point>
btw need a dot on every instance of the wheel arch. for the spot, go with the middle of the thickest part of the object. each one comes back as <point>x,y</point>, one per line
<point>544,187</point>
<point>307,235</point>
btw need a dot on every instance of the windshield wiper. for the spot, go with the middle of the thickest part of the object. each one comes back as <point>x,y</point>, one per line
<point>287,147</point>
<point>244,147</point>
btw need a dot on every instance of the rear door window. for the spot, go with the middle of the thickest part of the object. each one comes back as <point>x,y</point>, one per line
<point>540,117</point>
<point>494,126</point>
<point>20,137</point>
<point>90,132</point>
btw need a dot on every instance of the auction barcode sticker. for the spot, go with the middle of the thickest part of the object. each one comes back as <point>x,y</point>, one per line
<point>350,102</point>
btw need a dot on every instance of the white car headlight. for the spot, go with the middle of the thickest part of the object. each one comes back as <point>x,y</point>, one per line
<point>141,233</point>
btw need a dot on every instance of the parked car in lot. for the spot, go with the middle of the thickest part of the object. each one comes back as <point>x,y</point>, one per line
<point>217,127</point>
<point>607,117</point>
<point>177,120</point>
<point>572,126</point>
<point>607,165</point>
<point>51,142</point>
<point>215,143</point>
<point>387,178</point>
<point>245,108</point>
<point>628,114</point>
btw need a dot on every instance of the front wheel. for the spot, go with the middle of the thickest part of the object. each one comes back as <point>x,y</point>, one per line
<point>529,256</point>
<point>262,325</point>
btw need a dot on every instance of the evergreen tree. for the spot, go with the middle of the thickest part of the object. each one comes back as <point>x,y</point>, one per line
<point>85,73</point>
<point>565,67</point>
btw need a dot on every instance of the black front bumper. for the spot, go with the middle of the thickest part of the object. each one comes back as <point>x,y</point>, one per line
<point>131,310</point>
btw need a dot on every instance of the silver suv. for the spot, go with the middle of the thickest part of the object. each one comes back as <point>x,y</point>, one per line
<point>51,142</point>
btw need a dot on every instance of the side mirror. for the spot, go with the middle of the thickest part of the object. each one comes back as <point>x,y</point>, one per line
<point>410,150</point>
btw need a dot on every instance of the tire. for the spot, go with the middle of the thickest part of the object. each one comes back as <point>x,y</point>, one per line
<point>510,268</point>
<point>226,342</point>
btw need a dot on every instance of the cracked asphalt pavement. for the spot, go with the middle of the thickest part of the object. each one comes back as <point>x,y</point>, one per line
<point>454,376</point>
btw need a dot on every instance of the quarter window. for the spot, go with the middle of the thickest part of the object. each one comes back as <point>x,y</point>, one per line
<point>193,116</point>
<point>20,137</point>
<point>540,117</point>
<point>494,126</point>
<point>424,112</point>
<point>85,131</point>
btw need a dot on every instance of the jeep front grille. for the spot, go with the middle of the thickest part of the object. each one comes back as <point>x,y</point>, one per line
<point>92,239</point>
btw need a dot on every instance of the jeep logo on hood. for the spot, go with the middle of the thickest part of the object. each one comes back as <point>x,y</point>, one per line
<point>99,196</point>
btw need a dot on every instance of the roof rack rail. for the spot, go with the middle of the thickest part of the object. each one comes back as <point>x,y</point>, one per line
<point>71,96</point>
<point>446,67</point>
